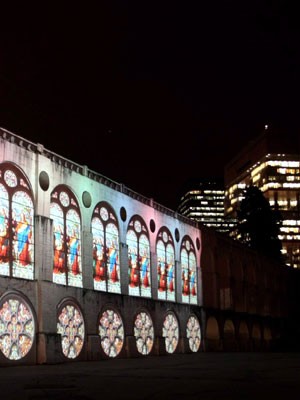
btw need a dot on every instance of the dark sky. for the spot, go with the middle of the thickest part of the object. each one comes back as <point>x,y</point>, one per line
<point>149,94</point>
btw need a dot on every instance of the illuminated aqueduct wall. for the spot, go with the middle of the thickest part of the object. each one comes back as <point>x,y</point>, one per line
<point>88,268</point>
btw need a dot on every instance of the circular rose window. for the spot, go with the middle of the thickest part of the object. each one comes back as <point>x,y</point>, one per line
<point>71,328</point>
<point>193,333</point>
<point>111,332</point>
<point>170,332</point>
<point>17,328</point>
<point>144,333</point>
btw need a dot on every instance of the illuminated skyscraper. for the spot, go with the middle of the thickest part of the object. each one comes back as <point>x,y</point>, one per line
<point>271,163</point>
<point>203,201</point>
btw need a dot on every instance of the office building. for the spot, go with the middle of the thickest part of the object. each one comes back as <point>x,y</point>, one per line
<point>203,201</point>
<point>271,163</point>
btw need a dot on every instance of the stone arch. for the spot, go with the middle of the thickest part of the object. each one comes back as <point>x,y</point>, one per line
<point>212,334</point>
<point>209,278</point>
<point>229,340</point>
<point>256,336</point>
<point>244,336</point>
<point>267,335</point>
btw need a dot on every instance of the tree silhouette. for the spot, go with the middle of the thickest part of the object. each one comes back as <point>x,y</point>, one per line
<point>259,224</point>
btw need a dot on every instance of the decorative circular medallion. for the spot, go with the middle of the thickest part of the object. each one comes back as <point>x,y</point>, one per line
<point>111,332</point>
<point>170,332</point>
<point>17,328</point>
<point>64,199</point>
<point>137,226</point>
<point>193,333</point>
<point>144,333</point>
<point>10,178</point>
<point>104,213</point>
<point>71,328</point>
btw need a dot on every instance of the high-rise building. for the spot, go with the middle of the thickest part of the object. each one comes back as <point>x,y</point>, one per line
<point>203,201</point>
<point>271,163</point>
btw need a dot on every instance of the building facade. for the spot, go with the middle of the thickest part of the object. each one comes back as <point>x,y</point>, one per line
<point>271,163</point>
<point>203,201</point>
<point>91,270</point>
<point>88,268</point>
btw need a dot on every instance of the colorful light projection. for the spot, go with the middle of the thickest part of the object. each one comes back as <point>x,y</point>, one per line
<point>111,332</point>
<point>17,328</point>
<point>144,333</point>
<point>170,332</point>
<point>188,272</point>
<point>16,224</point>
<point>165,265</point>
<point>70,326</point>
<point>139,274</point>
<point>106,267</point>
<point>64,211</point>
<point>193,333</point>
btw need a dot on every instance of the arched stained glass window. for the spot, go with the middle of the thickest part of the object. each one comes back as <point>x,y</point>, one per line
<point>70,326</point>
<point>64,210</point>
<point>139,272</point>
<point>144,333</point>
<point>193,333</point>
<point>16,224</point>
<point>170,332</point>
<point>165,265</point>
<point>106,267</point>
<point>111,332</point>
<point>188,271</point>
<point>17,327</point>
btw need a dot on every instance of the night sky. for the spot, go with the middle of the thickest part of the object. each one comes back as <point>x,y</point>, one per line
<point>149,94</point>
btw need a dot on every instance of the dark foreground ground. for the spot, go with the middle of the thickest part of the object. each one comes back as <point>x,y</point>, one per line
<point>192,376</point>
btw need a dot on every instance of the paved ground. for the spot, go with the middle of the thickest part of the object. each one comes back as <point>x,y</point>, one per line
<point>200,376</point>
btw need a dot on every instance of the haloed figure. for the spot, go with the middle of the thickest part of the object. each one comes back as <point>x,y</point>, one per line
<point>23,236</point>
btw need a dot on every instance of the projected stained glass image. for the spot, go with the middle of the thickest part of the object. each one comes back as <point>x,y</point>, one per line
<point>17,328</point>
<point>111,332</point>
<point>70,326</point>
<point>165,265</point>
<point>106,267</point>
<point>16,224</point>
<point>139,274</point>
<point>193,333</point>
<point>188,272</point>
<point>144,333</point>
<point>170,332</point>
<point>64,211</point>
